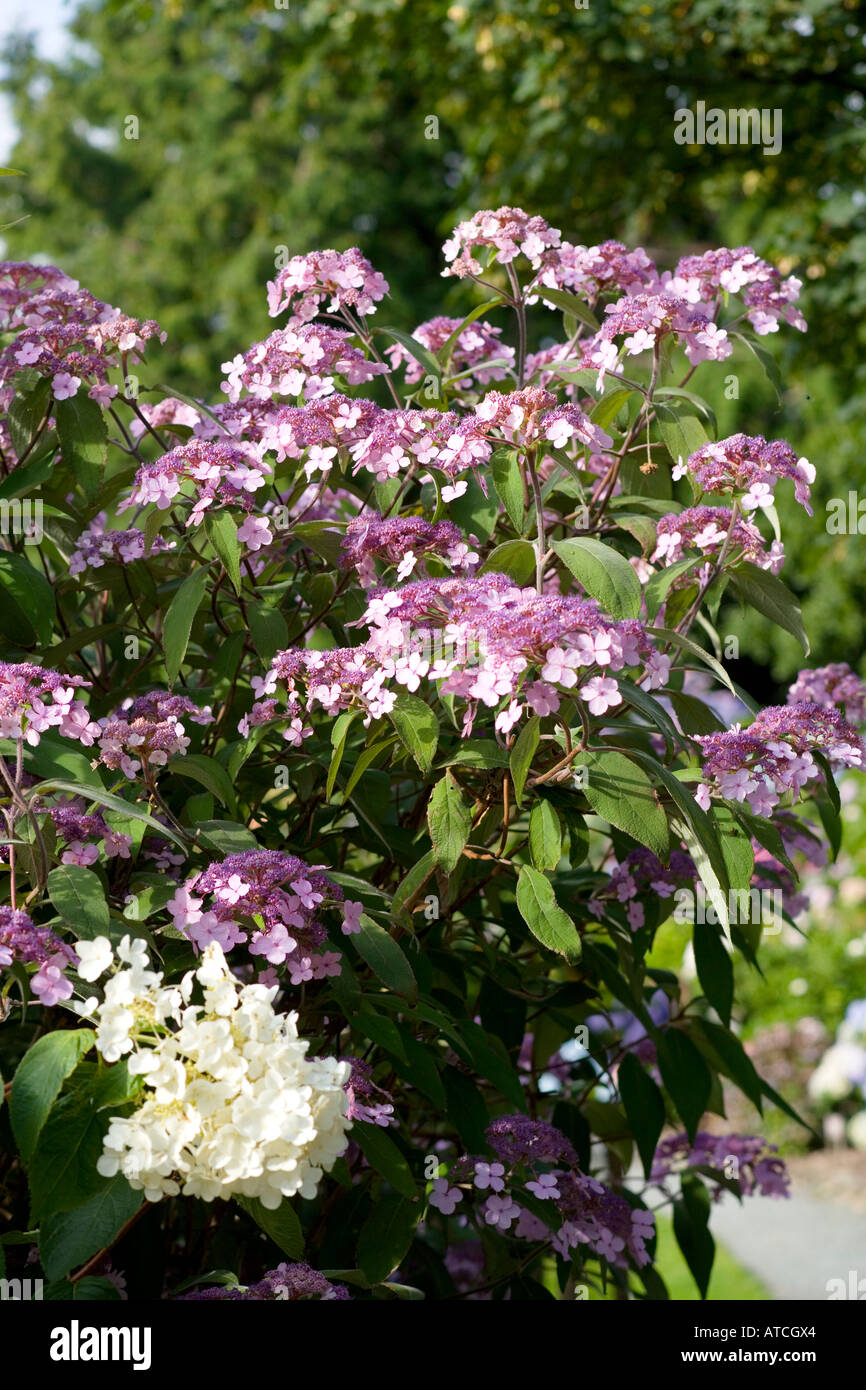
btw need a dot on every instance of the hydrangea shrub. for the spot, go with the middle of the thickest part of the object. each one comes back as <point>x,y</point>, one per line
<point>362,723</point>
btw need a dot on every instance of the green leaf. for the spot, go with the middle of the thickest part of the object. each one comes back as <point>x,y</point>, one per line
<point>545,836</point>
<point>658,584</point>
<point>223,535</point>
<point>466,1110</point>
<point>611,403</point>
<point>281,1225</point>
<point>734,1060</point>
<point>691,1228</point>
<point>686,1076</point>
<point>514,558</point>
<point>37,1082</point>
<point>543,915</point>
<point>571,305</point>
<point>63,1168</point>
<point>267,629</point>
<point>450,820</point>
<point>682,432</point>
<point>179,620</point>
<point>26,414</point>
<point>386,1235</point>
<point>417,728</point>
<point>644,1106</point>
<point>385,958</point>
<point>383,1154</point>
<point>209,774</point>
<point>27,607</point>
<point>715,970</point>
<point>766,592</point>
<point>476,513</point>
<point>622,794</point>
<point>339,734</point>
<point>767,361</point>
<point>68,1239</point>
<point>79,897</point>
<point>522,754</point>
<point>604,574</point>
<point>508,481</point>
<point>83,440</point>
<point>414,881</point>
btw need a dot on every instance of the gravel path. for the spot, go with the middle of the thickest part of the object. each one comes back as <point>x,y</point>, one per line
<point>795,1247</point>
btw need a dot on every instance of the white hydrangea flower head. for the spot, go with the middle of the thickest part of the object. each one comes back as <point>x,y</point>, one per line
<point>230,1102</point>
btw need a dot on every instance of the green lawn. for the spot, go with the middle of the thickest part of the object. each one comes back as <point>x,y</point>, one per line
<point>728,1280</point>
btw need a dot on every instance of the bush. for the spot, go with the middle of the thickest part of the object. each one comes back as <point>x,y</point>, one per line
<point>356,753</point>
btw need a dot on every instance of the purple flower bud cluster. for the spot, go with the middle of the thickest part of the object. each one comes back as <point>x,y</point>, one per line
<point>286,1283</point>
<point>639,874</point>
<point>362,1092</point>
<point>401,541</point>
<point>508,231</point>
<point>74,827</point>
<point>645,319</point>
<point>346,279</point>
<point>147,731</point>
<point>773,757</point>
<point>749,466</point>
<point>23,709</point>
<point>476,346</point>
<point>216,471</point>
<point>21,940</point>
<point>296,362</point>
<point>95,546</point>
<point>590,1214</point>
<point>64,332</point>
<point>267,898</point>
<point>767,296</point>
<point>709,530</point>
<point>744,1158</point>
<point>835,684</point>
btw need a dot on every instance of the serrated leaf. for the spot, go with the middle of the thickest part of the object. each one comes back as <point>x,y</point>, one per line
<point>715,970</point>
<point>68,1239</point>
<point>765,592</point>
<point>514,558</point>
<point>385,958</point>
<point>417,728</point>
<point>179,620</point>
<point>386,1235</point>
<point>383,1154</point>
<point>644,1106</point>
<point>37,1082</point>
<point>281,1225</point>
<point>545,836</point>
<point>508,481</point>
<point>449,819</point>
<point>686,1077</point>
<point>83,439</point>
<point>603,573</point>
<point>79,897</point>
<point>622,794</point>
<point>524,750</point>
<point>209,774</point>
<point>27,605</point>
<point>223,535</point>
<point>62,1171</point>
<point>543,915</point>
